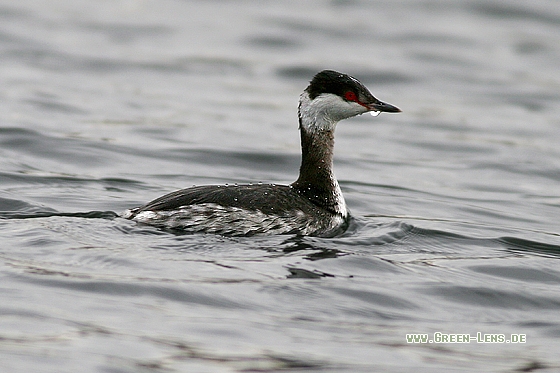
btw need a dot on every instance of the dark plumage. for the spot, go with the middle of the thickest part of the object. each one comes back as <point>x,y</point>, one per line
<point>329,81</point>
<point>312,205</point>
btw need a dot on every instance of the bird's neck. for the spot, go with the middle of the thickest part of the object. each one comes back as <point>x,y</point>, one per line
<point>317,181</point>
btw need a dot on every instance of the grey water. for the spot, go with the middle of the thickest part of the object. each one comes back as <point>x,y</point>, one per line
<point>105,105</point>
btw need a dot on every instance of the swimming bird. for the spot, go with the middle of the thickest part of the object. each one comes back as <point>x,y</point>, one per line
<point>312,205</point>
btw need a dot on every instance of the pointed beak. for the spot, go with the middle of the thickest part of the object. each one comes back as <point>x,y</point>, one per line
<point>383,106</point>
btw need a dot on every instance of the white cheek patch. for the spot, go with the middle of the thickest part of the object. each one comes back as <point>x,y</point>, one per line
<point>326,110</point>
<point>374,113</point>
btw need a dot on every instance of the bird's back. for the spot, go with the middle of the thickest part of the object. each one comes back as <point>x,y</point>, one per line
<point>239,210</point>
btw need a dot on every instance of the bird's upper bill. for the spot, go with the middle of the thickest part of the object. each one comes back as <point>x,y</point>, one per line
<point>380,106</point>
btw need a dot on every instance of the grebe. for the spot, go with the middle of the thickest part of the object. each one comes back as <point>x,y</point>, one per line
<point>312,205</point>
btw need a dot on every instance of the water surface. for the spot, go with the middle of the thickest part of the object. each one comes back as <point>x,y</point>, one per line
<point>456,201</point>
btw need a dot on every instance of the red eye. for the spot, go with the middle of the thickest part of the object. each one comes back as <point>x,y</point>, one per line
<point>350,96</point>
